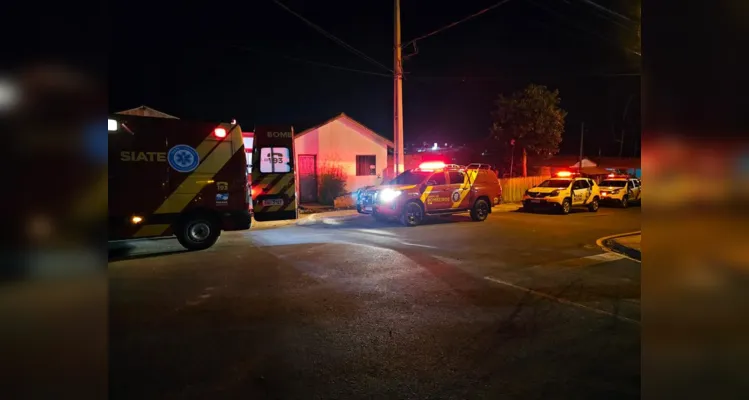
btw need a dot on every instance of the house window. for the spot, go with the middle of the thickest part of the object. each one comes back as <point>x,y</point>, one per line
<point>366,165</point>
<point>275,160</point>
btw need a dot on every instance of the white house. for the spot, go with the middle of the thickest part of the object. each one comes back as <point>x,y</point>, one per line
<point>342,143</point>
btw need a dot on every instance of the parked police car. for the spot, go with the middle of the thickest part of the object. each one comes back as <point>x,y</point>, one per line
<point>562,193</point>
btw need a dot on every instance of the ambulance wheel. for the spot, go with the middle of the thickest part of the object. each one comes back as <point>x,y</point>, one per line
<point>197,232</point>
<point>480,210</point>
<point>566,206</point>
<point>625,202</point>
<point>413,214</point>
<point>593,206</point>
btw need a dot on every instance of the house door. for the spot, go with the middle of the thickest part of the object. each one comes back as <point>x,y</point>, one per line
<point>307,178</point>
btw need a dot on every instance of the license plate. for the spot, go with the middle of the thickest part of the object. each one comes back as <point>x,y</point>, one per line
<point>367,208</point>
<point>273,202</point>
<point>535,201</point>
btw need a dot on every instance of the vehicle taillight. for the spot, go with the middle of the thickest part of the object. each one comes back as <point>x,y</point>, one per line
<point>219,133</point>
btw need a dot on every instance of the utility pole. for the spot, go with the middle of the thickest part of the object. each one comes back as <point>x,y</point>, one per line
<point>398,156</point>
<point>580,161</point>
<point>512,156</point>
<point>624,119</point>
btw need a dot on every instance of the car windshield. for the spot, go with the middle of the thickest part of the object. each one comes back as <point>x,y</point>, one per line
<point>410,178</point>
<point>613,184</point>
<point>555,183</point>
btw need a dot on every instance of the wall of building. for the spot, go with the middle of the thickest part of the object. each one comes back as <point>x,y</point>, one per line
<point>307,144</point>
<point>336,146</point>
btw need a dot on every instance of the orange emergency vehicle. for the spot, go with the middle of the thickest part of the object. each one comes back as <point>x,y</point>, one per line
<point>434,189</point>
<point>175,177</point>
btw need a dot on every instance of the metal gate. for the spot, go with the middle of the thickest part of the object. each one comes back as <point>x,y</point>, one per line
<point>307,178</point>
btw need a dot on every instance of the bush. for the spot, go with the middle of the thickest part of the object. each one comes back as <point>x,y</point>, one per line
<point>332,184</point>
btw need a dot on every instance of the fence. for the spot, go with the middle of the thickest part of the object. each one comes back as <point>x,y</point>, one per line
<point>514,188</point>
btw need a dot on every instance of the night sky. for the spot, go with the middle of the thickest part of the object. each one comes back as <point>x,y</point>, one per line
<point>256,62</point>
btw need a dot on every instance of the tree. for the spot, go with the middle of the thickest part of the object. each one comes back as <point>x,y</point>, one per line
<point>531,120</point>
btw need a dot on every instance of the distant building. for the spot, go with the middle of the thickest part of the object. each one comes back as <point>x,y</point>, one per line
<point>599,166</point>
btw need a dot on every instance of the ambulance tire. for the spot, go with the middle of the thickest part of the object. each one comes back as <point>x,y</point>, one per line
<point>566,206</point>
<point>197,231</point>
<point>480,210</point>
<point>413,214</point>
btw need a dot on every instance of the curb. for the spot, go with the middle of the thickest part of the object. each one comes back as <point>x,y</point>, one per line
<point>609,243</point>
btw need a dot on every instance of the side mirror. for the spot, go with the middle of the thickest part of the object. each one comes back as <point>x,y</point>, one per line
<point>431,183</point>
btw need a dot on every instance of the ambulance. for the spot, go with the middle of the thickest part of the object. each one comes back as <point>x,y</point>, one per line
<point>171,177</point>
<point>273,174</point>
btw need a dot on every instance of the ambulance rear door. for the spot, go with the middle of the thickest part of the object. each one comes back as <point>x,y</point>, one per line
<point>138,173</point>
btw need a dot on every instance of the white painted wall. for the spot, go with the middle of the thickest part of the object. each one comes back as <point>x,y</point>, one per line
<point>307,144</point>
<point>338,143</point>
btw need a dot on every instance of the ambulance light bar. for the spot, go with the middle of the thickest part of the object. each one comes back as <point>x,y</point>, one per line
<point>219,133</point>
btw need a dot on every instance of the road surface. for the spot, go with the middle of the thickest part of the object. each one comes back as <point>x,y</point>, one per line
<point>518,306</point>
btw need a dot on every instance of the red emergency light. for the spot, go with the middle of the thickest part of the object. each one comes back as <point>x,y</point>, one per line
<point>219,133</point>
<point>432,165</point>
<point>564,174</point>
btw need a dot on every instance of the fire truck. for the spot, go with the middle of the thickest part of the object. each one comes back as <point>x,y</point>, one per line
<point>175,177</point>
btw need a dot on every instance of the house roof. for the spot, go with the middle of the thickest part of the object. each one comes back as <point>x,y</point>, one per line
<point>345,119</point>
<point>555,161</point>
<point>146,111</point>
<point>594,171</point>
<point>618,162</point>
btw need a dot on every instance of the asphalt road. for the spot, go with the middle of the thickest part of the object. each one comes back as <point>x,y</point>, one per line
<point>518,306</point>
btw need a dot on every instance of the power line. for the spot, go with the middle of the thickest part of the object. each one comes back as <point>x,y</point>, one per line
<point>469,79</point>
<point>317,63</point>
<point>485,10</point>
<point>570,23</point>
<point>614,21</point>
<point>607,10</point>
<point>332,37</point>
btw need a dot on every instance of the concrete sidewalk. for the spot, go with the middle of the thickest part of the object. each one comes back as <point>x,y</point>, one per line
<point>306,219</point>
<point>628,245</point>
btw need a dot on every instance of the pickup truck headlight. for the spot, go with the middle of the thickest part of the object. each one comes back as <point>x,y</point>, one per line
<point>388,195</point>
<point>615,191</point>
<point>554,193</point>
